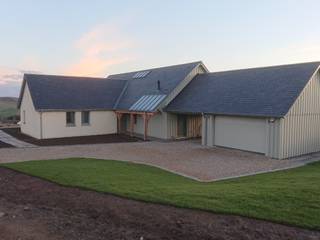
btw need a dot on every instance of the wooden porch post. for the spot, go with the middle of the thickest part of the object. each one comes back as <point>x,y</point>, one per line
<point>146,118</point>
<point>131,124</point>
<point>119,116</point>
<point>145,123</point>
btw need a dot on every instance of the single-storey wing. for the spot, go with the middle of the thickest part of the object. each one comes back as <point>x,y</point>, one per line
<point>270,110</point>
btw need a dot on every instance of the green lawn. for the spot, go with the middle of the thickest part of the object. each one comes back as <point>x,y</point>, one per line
<point>8,107</point>
<point>7,112</point>
<point>291,196</point>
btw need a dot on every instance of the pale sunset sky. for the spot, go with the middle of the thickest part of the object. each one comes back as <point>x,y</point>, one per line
<point>97,38</point>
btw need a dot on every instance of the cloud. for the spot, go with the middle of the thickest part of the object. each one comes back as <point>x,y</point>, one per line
<point>10,80</point>
<point>99,49</point>
<point>9,75</point>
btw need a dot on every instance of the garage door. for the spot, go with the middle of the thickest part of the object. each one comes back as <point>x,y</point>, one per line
<point>241,133</point>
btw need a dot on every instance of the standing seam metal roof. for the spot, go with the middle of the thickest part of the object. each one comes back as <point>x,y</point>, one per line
<point>147,103</point>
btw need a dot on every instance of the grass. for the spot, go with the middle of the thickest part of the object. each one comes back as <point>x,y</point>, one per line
<point>291,197</point>
<point>7,112</point>
<point>8,107</point>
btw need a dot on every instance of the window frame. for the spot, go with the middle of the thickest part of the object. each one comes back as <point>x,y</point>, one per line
<point>83,117</point>
<point>71,124</point>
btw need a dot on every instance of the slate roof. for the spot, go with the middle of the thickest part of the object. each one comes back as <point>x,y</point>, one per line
<point>267,91</point>
<point>169,78</point>
<point>50,92</point>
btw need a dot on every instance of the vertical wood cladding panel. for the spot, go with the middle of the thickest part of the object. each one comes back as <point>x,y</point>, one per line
<point>300,128</point>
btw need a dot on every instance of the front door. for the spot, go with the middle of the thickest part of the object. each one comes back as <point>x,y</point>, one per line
<point>182,125</point>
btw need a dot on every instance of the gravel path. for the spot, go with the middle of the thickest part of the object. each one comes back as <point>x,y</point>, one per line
<point>188,158</point>
<point>6,138</point>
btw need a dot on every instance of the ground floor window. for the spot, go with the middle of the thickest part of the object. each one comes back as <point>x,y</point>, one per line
<point>85,118</point>
<point>70,119</point>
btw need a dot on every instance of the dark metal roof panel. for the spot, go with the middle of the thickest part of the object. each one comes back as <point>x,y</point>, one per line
<point>268,91</point>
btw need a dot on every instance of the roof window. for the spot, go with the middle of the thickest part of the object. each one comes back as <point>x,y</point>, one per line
<point>141,74</point>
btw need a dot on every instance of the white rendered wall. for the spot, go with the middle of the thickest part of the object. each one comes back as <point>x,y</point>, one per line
<point>101,122</point>
<point>31,124</point>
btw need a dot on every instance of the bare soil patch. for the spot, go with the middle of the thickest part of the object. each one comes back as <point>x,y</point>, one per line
<point>37,209</point>
<point>107,138</point>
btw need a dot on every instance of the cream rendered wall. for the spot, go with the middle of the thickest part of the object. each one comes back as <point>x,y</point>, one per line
<point>31,126</point>
<point>300,128</point>
<point>101,122</point>
<point>157,126</point>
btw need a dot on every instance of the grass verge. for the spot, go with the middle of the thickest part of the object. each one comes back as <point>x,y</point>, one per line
<point>290,197</point>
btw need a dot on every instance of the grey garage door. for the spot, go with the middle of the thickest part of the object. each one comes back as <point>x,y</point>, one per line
<point>241,133</point>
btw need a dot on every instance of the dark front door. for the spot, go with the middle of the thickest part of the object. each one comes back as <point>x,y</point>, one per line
<point>182,125</point>
<point>124,123</point>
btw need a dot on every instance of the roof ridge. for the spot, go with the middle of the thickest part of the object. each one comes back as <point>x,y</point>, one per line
<point>64,76</point>
<point>155,68</point>
<point>265,67</point>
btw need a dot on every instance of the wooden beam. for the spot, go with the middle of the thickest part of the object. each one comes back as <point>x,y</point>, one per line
<point>119,116</point>
<point>131,124</point>
<point>137,113</point>
<point>146,117</point>
<point>145,124</point>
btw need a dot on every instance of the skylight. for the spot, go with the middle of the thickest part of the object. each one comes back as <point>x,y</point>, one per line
<point>141,74</point>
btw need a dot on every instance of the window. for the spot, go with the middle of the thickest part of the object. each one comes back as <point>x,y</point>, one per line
<point>70,119</point>
<point>24,117</point>
<point>85,118</point>
<point>135,119</point>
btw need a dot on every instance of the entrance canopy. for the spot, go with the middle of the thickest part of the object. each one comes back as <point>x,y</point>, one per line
<point>146,106</point>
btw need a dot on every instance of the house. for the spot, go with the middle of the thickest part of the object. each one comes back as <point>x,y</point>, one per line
<point>271,110</point>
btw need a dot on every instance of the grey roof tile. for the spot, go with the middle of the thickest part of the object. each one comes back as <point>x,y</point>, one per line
<point>267,91</point>
<point>169,78</point>
<point>50,92</point>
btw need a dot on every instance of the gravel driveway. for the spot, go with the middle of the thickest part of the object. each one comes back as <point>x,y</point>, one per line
<point>188,158</point>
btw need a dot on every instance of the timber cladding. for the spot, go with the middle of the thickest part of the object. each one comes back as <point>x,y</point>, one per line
<point>194,126</point>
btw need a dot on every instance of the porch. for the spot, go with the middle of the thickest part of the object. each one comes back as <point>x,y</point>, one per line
<point>159,125</point>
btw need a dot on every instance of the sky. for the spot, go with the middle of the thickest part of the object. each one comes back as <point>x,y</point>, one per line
<point>98,38</point>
